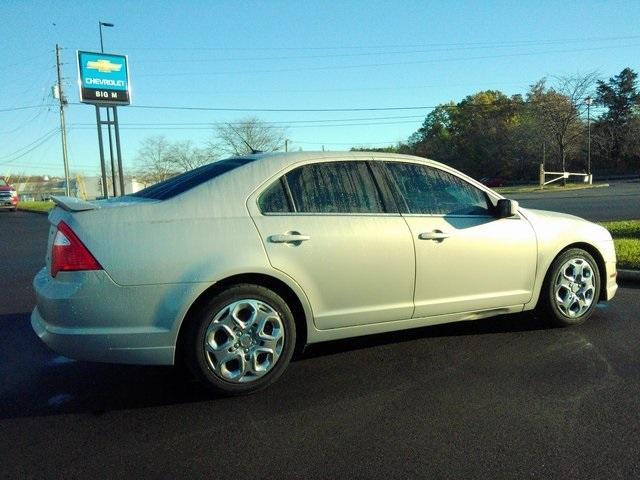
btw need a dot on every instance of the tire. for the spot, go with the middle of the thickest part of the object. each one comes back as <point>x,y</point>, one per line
<point>569,295</point>
<point>241,341</point>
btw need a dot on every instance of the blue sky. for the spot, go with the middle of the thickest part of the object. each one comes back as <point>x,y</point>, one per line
<point>289,55</point>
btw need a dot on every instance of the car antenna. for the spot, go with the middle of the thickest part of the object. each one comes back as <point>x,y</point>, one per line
<point>253,150</point>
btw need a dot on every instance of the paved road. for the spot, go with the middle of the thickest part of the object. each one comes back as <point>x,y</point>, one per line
<point>619,201</point>
<point>499,398</point>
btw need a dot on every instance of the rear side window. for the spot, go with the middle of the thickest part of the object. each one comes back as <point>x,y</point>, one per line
<point>432,191</point>
<point>186,181</point>
<point>274,199</point>
<point>334,187</point>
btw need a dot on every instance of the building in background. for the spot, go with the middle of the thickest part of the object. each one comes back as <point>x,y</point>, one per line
<point>87,188</point>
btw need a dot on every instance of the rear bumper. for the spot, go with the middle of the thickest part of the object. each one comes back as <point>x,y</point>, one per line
<point>107,345</point>
<point>86,316</point>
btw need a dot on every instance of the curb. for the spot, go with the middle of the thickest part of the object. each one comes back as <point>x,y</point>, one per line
<point>631,276</point>
<point>33,211</point>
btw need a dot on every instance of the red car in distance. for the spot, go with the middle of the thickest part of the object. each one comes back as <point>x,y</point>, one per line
<point>8,196</point>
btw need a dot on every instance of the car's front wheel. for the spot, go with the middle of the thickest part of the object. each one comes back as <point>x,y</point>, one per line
<point>241,341</point>
<point>571,289</point>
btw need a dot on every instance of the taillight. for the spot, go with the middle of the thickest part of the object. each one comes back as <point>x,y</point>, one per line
<point>69,254</point>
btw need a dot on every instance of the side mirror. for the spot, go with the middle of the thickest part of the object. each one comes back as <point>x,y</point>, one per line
<point>506,208</point>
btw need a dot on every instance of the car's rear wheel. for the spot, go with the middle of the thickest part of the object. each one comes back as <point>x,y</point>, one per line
<point>241,341</point>
<point>571,289</point>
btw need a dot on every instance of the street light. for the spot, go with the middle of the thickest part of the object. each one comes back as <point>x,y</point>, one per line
<point>588,102</point>
<point>113,173</point>
<point>100,25</point>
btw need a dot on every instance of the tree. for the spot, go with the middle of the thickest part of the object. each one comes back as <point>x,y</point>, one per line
<point>478,135</point>
<point>153,155</point>
<point>247,136</point>
<point>559,110</point>
<point>434,138</point>
<point>161,159</point>
<point>185,156</point>
<point>621,98</point>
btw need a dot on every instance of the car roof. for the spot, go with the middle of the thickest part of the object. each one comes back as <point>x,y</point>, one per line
<point>277,160</point>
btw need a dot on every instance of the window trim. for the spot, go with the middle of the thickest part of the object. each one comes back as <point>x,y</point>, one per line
<point>287,191</point>
<point>406,211</point>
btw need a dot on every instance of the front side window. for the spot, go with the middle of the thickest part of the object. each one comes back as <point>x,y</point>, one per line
<point>432,191</point>
<point>334,187</point>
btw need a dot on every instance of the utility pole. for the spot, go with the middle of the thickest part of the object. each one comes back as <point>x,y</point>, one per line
<point>286,145</point>
<point>63,127</point>
<point>589,101</point>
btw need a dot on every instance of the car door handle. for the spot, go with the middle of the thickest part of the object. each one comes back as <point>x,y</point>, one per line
<point>288,238</point>
<point>435,235</point>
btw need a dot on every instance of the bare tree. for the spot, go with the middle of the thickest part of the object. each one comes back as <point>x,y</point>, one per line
<point>559,110</point>
<point>161,159</point>
<point>153,156</point>
<point>185,156</point>
<point>249,135</point>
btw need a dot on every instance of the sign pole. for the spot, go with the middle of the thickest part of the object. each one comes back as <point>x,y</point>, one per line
<point>105,189</point>
<point>116,128</point>
<point>111,158</point>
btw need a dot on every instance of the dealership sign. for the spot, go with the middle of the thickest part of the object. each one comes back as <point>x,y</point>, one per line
<point>103,78</point>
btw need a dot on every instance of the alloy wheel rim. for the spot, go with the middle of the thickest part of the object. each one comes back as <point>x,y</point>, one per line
<point>244,340</point>
<point>574,288</point>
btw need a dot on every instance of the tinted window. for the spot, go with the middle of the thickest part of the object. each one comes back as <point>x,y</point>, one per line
<point>274,199</point>
<point>429,190</point>
<point>334,187</point>
<point>186,181</point>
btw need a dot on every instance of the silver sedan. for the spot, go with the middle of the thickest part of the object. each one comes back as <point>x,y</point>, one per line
<point>233,266</point>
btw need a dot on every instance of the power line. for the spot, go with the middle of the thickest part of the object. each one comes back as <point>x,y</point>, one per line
<point>354,144</point>
<point>266,126</point>
<point>367,65</point>
<point>315,110</point>
<point>24,124</point>
<point>325,90</point>
<point>265,110</point>
<point>350,55</point>
<point>282,122</point>
<point>419,45</point>
<point>27,60</point>
<point>13,109</point>
<point>38,143</point>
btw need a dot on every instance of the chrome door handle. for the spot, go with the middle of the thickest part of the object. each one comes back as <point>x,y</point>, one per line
<point>289,238</point>
<point>435,235</point>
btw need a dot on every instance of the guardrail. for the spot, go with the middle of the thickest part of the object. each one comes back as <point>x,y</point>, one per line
<point>588,178</point>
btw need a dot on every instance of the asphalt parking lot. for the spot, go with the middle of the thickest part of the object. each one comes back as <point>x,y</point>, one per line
<point>505,397</point>
<point>618,201</point>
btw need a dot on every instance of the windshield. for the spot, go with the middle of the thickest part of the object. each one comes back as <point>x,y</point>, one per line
<point>2,183</point>
<point>186,181</point>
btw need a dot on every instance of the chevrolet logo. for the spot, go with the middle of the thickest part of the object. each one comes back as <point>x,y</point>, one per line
<point>104,66</point>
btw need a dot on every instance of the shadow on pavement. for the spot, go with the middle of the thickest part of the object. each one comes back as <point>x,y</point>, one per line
<point>40,382</point>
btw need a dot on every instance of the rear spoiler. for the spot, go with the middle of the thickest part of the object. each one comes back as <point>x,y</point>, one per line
<point>73,204</point>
